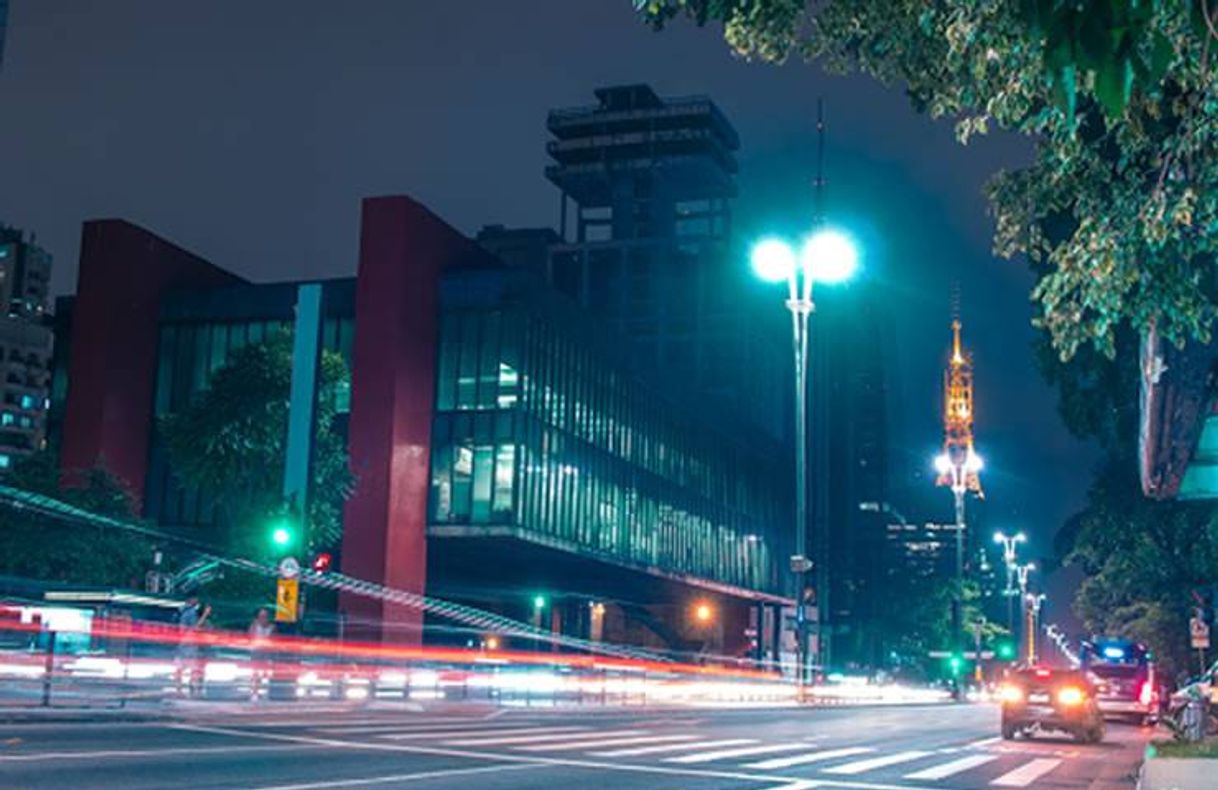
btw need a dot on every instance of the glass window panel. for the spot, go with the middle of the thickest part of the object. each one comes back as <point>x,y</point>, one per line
<point>446,368</point>
<point>505,474</point>
<point>484,458</point>
<point>488,362</point>
<point>468,363</point>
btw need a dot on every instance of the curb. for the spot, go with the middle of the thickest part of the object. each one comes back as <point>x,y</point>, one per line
<point>79,716</point>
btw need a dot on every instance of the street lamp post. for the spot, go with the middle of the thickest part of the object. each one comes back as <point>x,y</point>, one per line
<point>1032,602</point>
<point>1009,542</point>
<point>1022,570</point>
<point>827,256</point>
<point>959,469</point>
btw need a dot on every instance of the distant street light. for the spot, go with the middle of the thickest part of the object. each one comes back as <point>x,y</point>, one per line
<point>1009,543</point>
<point>1032,604</point>
<point>703,613</point>
<point>827,256</point>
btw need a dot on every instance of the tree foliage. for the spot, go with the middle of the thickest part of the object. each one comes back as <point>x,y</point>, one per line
<point>231,443</point>
<point>37,547</point>
<point>1119,209</point>
<point>1142,560</point>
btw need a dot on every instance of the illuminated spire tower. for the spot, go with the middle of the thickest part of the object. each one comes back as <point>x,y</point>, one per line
<point>958,449</point>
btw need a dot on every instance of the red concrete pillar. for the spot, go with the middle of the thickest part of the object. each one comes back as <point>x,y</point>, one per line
<point>124,272</point>
<point>404,249</point>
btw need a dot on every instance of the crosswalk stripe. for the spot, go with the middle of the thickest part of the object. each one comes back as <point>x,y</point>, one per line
<point>983,742</point>
<point>413,727</point>
<point>1027,773</point>
<point>743,751</point>
<point>952,767</point>
<point>673,747</point>
<point>801,784</point>
<point>510,732</point>
<point>580,733</point>
<point>602,742</point>
<point>860,766</point>
<point>811,757</point>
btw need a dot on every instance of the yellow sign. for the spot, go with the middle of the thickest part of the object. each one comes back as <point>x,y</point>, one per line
<point>287,601</point>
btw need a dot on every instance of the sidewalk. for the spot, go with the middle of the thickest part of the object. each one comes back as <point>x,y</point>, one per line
<point>1187,767</point>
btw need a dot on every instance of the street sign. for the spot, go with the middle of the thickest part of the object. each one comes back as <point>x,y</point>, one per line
<point>289,568</point>
<point>800,564</point>
<point>970,655</point>
<point>1199,633</point>
<point>287,601</point>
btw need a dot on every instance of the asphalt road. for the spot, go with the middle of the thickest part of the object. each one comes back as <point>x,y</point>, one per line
<point>783,748</point>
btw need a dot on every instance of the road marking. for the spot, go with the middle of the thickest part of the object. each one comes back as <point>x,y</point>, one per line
<point>1027,773</point>
<point>952,767</point>
<point>743,751</point>
<point>811,757</point>
<point>803,784</point>
<point>860,766</point>
<point>481,736</point>
<point>600,743</point>
<point>674,747</point>
<point>502,757</point>
<point>983,742</point>
<point>376,780</point>
<point>415,727</point>
<point>507,740</point>
<point>119,753</point>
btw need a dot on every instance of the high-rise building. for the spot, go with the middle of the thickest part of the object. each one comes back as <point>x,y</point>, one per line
<point>644,243</point>
<point>848,441</point>
<point>25,345</point>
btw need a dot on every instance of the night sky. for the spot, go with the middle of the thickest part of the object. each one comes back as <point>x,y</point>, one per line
<point>248,132</point>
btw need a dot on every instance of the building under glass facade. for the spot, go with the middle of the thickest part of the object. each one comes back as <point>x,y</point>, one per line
<point>501,444</point>
<point>538,432</point>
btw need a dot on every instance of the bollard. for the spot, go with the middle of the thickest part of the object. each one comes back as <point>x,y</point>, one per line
<point>48,671</point>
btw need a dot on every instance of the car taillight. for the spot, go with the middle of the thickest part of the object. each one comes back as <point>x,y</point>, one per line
<point>1070,696</point>
<point>1146,694</point>
<point>1010,694</point>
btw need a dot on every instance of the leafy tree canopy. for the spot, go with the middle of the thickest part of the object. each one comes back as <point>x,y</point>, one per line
<point>1118,211</point>
<point>230,442</point>
<point>36,547</point>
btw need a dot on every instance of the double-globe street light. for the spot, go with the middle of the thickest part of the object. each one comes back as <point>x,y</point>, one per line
<point>1009,543</point>
<point>959,467</point>
<point>827,256</point>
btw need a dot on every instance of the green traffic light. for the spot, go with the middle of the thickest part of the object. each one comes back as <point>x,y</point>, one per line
<point>539,602</point>
<point>955,663</point>
<point>282,533</point>
<point>1006,650</point>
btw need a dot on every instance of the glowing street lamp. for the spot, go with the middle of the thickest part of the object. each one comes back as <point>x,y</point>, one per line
<point>1009,543</point>
<point>827,256</point>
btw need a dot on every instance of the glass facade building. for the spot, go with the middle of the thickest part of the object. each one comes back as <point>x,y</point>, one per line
<point>540,434</point>
<point>198,332</point>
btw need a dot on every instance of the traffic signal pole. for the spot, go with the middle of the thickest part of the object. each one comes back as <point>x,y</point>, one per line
<point>302,418</point>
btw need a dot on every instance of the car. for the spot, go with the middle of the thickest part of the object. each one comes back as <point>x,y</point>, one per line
<point>1037,699</point>
<point>1125,679</point>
